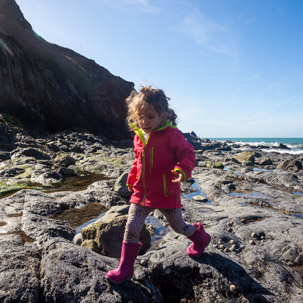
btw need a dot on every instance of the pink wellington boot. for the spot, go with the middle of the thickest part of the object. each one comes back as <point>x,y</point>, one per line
<point>200,240</point>
<point>125,270</point>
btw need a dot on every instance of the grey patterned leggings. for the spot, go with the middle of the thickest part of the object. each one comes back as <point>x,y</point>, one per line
<point>137,215</point>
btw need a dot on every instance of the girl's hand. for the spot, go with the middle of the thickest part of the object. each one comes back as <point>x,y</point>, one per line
<point>130,188</point>
<point>178,176</point>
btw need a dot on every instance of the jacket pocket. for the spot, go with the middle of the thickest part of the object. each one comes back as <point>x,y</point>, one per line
<point>165,188</point>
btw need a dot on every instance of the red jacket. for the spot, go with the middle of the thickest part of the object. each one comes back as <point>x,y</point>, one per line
<point>151,178</point>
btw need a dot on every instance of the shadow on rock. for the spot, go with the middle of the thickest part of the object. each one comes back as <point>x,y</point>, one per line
<point>236,275</point>
<point>134,291</point>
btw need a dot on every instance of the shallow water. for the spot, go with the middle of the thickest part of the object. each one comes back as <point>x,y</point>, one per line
<point>78,182</point>
<point>159,230</point>
<point>77,217</point>
<point>70,183</point>
<point>79,228</point>
<point>288,212</point>
<point>198,192</point>
<point>263,169</point>
<point>233,171</point>
<point>91,211</point>
<point>15,215</point>
<point>80,218</point>
<point>20,233</point>
<point>253,194</point>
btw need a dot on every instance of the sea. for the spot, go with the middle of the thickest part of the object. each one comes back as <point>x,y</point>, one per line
<point>295,145</point>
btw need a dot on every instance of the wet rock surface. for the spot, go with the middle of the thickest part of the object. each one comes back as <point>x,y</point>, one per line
<point>253,212</point>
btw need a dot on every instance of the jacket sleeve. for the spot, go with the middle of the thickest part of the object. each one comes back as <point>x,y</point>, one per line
<point>186,158</point>
<point>132,175</point>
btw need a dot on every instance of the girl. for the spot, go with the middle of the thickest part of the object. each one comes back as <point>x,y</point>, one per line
<point>163,158</point>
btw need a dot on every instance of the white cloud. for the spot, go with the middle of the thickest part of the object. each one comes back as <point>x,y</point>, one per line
<point>210,34</point>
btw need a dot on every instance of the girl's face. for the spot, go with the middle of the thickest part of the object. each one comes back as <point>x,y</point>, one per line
<point>149,119</point>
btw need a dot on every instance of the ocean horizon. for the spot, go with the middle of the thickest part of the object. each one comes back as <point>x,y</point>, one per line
<point>295,145</point>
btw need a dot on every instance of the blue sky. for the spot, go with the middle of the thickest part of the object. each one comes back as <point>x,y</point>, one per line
<point>232,68</point>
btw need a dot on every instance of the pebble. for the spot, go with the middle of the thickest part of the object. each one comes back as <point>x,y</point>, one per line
<point>229,229</point>
<point>233,247</point>
<point>254,235</point>
<point>221,246</point>
<point>226,249</point>
<point>143,262</point>
<point>251,242</point>
<point>200,198</point>
<point>232,241</point>
<point>78,239</point>
<point>232,288</point>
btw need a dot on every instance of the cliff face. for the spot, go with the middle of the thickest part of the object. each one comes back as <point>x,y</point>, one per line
<point>50,88</point>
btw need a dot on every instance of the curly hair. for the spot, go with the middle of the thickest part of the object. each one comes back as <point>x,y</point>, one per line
<point>136,102</point>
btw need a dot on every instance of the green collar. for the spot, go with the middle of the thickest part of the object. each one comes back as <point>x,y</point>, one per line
<point>139,131</point>
<point>168,123</point>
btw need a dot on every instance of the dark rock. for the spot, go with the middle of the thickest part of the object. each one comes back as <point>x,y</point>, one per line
<point>120,186</point>
<point>19,278</point>
<point>282,146</point>
<point>30,152</point>
<point>263,146</point>
<point>64,160</point>
<point>4,156</point>
<point>39,263</point>
<point>290,164</point>
<point>218,165</point>
<point>3,132</point>
<point>79,275</point>
<point>265,161</point>
<point>65,171</point>
<point>50,88</point>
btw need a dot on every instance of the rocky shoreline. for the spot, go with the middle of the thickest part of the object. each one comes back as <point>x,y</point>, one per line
<point>251,202</point>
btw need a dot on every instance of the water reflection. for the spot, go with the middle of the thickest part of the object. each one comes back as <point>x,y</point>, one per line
<point>198,192</point>
<point>159,230</point>
<point>253,195</point>
<point>78,217</point>
<point>263,169</point>
<point>78,182</point>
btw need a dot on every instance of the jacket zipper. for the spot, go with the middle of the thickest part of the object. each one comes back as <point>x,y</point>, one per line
<point>151,159</point>
<point>143,176</point>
